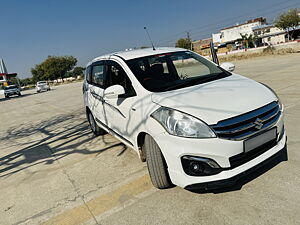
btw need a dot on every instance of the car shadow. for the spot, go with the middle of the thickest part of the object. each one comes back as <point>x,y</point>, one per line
<point>16,97</point>
<point>51,140</point>
<point>251,174</point>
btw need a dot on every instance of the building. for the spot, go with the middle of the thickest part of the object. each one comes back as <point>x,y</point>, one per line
<point>216,39</point>
<point>269,34</point>
<point>202,46</point>
<point>233,33</point>
<point>4,75</point>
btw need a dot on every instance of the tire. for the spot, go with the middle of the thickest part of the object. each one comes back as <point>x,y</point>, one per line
<point>156,164</point>
<point>19,94</point>
<point>6,96</point>
<point>93,125</point>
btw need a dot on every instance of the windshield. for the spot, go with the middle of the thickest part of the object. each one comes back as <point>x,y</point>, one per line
<point>170,71</point>
<point>41,82</point>
<point>10,87</point>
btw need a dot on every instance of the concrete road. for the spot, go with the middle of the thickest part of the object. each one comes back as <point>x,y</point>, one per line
<point>54,171</point>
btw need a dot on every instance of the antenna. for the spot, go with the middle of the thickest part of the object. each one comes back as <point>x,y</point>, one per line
<point>145,28</point>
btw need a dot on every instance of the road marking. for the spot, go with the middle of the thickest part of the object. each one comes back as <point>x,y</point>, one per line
<point>103,203</point>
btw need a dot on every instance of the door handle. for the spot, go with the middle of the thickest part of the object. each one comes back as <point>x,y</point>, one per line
<point>133,109</point>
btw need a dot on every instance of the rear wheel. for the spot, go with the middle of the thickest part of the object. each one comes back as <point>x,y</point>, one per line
<point>93,125</point>
<point>156,163</point>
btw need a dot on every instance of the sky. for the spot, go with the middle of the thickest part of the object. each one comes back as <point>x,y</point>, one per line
<point>31,30</point>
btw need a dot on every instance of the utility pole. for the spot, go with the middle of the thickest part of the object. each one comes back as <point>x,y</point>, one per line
<point>188,37</point>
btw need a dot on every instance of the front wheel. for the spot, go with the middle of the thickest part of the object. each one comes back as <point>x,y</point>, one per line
<point>156,164</point>
<point>93,125</point>
<point>6,96</point>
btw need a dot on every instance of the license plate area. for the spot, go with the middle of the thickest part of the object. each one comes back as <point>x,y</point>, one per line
<point>260,140</point>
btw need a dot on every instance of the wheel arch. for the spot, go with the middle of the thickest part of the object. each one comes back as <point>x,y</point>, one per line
<point>140,142</point>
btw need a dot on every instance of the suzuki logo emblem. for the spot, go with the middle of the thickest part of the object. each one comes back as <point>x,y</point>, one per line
<point>258,124</point>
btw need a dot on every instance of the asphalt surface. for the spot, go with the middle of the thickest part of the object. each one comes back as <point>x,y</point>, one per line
<point>54,171</point>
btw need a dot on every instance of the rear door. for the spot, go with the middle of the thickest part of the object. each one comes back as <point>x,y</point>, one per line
<point>96,86</point>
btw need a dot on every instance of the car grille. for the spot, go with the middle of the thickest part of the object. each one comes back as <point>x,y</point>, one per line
<point>244,126</point>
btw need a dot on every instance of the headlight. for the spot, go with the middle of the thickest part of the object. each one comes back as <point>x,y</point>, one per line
<point>279,102</point>
<point>181,124</point>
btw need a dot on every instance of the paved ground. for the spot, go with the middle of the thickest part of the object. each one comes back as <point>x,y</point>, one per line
<point>53,171</point>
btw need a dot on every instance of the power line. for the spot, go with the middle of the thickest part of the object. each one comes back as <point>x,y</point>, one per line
<point>228,24</point>
<point>267,13</point>
<point>208,25</point>
<point>247,13</point>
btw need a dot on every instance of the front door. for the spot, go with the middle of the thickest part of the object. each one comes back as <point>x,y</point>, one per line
<point>119,111</point>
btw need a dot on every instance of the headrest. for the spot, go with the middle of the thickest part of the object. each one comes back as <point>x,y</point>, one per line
<point>156,69</point>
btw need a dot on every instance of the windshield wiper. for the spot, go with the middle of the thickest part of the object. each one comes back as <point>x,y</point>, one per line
<point>197,80</point>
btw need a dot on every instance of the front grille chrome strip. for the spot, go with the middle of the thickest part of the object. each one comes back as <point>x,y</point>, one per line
<point>246,116</point>
<point>244,126</point>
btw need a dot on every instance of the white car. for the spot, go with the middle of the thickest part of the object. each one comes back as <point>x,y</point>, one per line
<point>11,90</point>
<point>42,86</point>
<point>197,124</point>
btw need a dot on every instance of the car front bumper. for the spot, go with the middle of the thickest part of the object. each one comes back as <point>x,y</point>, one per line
<point>220,150</point>
<point>11,93</point>
<point>42,89</point>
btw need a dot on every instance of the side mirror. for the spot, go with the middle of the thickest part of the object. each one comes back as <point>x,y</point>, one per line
<point>228,66</point>
<point>113,91</point>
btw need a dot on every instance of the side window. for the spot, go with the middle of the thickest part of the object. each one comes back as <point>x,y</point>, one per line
<point>88,73</point>
<point>98,76</point>
<point>116,75</point>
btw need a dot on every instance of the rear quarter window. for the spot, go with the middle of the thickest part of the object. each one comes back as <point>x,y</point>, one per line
<point>98,75</point>
<point>88,73</point>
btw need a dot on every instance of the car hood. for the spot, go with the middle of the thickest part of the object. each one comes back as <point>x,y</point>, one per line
<point>217,100</point>
<point>12,90</point>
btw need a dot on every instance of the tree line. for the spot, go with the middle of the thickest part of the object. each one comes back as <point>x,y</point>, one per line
<point>53,68</point>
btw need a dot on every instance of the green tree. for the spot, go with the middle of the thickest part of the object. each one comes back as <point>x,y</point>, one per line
<point>77,71</point>
<point>26,81</point>
<point>184,43</point>
<point>288,21</point>
<point>249,40</point>
<point>53,67</point>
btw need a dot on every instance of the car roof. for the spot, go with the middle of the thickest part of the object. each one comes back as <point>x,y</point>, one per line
<point>137,53</point>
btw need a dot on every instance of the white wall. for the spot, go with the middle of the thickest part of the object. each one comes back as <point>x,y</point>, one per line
<point>216,38</point>
<point>274,40</point>
<point>233,33</point>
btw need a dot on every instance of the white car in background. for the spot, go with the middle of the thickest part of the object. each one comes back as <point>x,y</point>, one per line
<point>42,86</point>
<point>197,124</point>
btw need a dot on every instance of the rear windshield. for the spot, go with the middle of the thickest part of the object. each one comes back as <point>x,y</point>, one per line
<point>10,87</point>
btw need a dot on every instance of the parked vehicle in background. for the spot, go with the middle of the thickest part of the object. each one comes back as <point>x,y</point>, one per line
<point>197,124</point>
<point>42,86</point>
<point>11,90</point>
